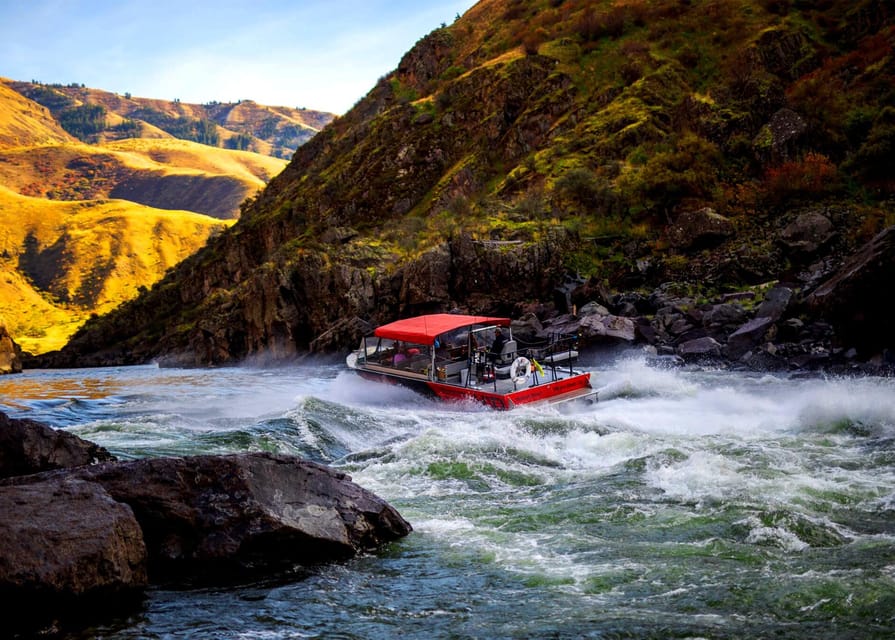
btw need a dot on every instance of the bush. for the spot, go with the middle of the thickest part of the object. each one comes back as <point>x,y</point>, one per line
<point>688,170</point>
<point>810,175</point>
<point>578,187</point>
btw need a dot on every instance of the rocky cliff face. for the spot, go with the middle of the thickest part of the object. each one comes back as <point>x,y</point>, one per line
<point>10,353</point>
<point>533,141</point>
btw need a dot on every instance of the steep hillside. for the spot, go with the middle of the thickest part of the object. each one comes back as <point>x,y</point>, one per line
<point>98,116</point>
<point>26,124</point>
<point>60,262</point>
<point>536,140</point>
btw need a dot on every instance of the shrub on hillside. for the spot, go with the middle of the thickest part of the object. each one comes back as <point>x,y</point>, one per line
<point>811,175</point>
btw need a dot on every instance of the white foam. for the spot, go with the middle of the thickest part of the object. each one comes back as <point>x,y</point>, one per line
<point>702,475</point>
<point>866,403</point>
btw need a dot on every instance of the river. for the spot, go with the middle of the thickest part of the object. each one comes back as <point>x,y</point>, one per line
<point>684,504</point>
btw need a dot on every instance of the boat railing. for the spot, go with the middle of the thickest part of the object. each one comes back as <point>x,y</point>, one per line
<point>558,353</point>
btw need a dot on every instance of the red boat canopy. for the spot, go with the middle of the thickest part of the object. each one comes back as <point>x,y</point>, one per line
<point>424,329</point>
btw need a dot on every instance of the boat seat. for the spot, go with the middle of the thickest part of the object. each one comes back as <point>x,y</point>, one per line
<point>454,368</point>
<point>559,357</point>
<point>507,353</point>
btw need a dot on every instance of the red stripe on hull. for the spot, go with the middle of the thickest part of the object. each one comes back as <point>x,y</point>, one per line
<point>538,393</point>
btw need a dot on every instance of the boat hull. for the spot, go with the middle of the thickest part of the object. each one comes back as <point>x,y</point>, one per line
<point>545,392</point>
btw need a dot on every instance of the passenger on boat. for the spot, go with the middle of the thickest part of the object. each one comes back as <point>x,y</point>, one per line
<point>497,345</point>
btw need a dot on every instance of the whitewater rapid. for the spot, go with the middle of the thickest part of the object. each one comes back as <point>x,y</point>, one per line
<point>694,502</point>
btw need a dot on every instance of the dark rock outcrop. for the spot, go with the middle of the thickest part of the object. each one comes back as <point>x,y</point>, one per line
<point>82,537</point>
<point>10,352</point>
<point>67,548</point>
<point>80,540</point>
<point>28,447</point>
<point>214,516</point>
<point>856,299</point>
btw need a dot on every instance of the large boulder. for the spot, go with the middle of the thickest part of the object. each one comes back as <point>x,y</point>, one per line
<point>83,541</point>
<point>207,516</point>
<point>748,336</point>
<point>705,347</point>
<point>30,447</point>
<point>699,229</point>
<point>775,303</point>
<point>807,233</point>
<point>68,549</point>
<point>855,300</point>
<point>593,327</point>
<point>608,326</point>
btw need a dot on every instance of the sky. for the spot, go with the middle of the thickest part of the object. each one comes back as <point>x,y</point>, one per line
<point>315,54</point>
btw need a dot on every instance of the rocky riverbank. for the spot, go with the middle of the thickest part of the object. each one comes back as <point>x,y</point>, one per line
<point>839,324</point>
<point>84,535</point>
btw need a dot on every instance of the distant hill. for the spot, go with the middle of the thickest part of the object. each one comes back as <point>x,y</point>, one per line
<point>97,116</point>
<point>60,262</point>
<point>590,134</point>
<point>163,173</point>
<point>101,194</point>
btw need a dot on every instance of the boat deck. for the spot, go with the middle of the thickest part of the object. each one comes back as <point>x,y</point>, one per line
<point>504,385</point>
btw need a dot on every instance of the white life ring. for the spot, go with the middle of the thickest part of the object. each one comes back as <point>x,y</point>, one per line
<point>524,364</point>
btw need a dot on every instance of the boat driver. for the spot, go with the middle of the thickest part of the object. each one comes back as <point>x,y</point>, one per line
<point>497,345</point>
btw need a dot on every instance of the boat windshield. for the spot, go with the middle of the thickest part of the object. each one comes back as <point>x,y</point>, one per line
<point>396,354</point>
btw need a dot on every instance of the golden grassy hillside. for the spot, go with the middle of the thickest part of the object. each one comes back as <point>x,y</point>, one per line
<point>83,227</point>
<point>255,169</point>
<point>26,123</point>
<point>164,173</point>
<point>62,261</point>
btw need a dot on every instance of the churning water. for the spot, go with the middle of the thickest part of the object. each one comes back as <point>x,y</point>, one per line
<point>685,504</point>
